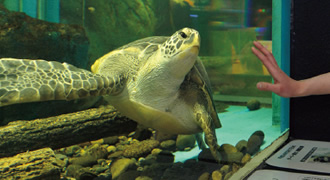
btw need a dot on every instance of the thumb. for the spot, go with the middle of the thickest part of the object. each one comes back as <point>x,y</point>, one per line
<point>264,86</point>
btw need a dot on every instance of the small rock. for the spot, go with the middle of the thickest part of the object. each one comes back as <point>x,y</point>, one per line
<point>150,159</point>
<point>253,104</point>
<point>72,169</point>
<point>233,157</point>
<point>235,167</point>
<point>103,176</point>
<point>228,175</point>
<point>139,149</point>
<point>120,166</point>
<point>156,151</point>
<point>62,160</point>
<point>111,149</point>
<point>99,169</point>
<point>254,142</point>
<point>246,158</point>
<point>204,176</point>
<point>168,144</point>
<point>116,154</point>
<point>185,141</point>
<point>129,175</point>
<point>206,155</point>
<point>72,150</point>
<point>143,178</point>
<point>225,169</point>
<point>241,146</point>
<point>97,151</point>
<point>216,175</point>
<point>165,157</point>
<point>84,161</point>
<point>227,148</point>
<point>110,140</point>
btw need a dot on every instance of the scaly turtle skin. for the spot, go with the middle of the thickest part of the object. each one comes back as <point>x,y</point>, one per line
<point>158,81</point>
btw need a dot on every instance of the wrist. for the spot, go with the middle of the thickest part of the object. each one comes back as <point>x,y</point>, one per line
<point>301,88</point>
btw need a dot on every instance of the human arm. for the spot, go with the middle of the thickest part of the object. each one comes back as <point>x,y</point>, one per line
<point>284,85</point>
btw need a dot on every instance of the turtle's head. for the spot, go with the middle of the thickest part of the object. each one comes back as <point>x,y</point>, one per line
<point>181,50</point>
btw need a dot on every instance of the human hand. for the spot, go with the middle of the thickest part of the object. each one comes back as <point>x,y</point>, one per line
<point>283,85</point>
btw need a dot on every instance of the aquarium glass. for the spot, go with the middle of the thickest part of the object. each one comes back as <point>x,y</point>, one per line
<point>79,32</point>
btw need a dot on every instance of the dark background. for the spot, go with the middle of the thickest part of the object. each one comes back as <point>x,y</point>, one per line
<point>310,56</point>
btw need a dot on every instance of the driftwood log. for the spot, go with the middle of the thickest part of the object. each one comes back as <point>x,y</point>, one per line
<point>39,164</point>
<point>62,131</point>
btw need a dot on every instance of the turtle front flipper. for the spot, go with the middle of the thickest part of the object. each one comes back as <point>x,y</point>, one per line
<point>23,80</point>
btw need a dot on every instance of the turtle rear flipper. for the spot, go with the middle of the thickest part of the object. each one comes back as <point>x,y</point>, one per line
<point>24,80</point>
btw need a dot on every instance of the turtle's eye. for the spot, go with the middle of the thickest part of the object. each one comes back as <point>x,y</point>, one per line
<point>183,35</point>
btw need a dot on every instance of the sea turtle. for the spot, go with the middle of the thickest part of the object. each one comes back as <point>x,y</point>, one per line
<point>157,81</point>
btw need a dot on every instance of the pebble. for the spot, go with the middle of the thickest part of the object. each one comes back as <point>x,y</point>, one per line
<point>185,141</point>
<point>204,176</point>
<point>143,178</point>
<point>84,161</point>
<point>115,155</point>
<point>246,158</point>
<point>111,149</point>
<point>216,175</point>
<point>168,144</point>
<point>120,166</point>
<point>228,175</point>
<point>241,146</point>
<point>253,104</point>
<point>254,142</point>
<point>227,148</point>
<point>225,169</point>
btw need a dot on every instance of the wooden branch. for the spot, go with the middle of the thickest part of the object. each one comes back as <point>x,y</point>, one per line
<point>39,164</point>
<point>64,130</point>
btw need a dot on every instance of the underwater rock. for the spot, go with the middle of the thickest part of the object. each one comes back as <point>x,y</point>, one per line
<point>246,158</point>
<point>111,149</point>
<point>83,161</point>
<point>115,155</point>
<point>99,168</point>
<point>230,154</point>
<point>143,178</point>
<point>104,176</point>
<point>216,175</point>
<point>228,175</point>
<point>129,175</point>
<point>97,151</point>
<point>227,148</point>
<point>120,166</point>
<point>22,36</point>
<point>72,169</point>
<point>110,140</point>
<point>38,164</point>
<point>71,150</point>
<point>141,148</point>
<point>165,157</point>
<point>225,169</point>
<point>254,142</point>
<point>206,155</point>
<point>253,104</point>
<point>63,158</point>
<point>204,176</point>
<point>168,144</point>
<point>241,146</point>
<point>184,142</point>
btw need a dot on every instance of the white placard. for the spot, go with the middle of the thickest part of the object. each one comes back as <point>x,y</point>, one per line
<point>303,155</point>
<point>283,175</point>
